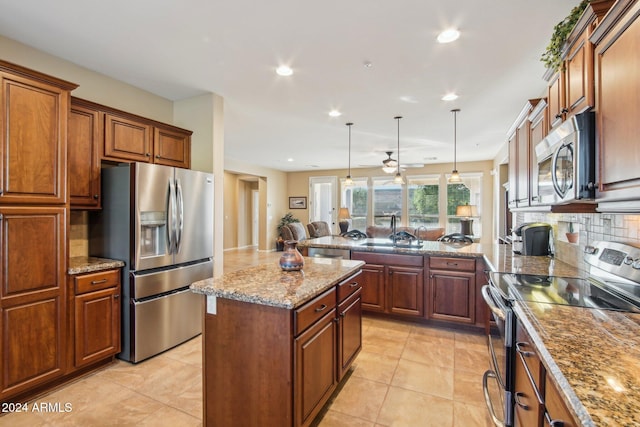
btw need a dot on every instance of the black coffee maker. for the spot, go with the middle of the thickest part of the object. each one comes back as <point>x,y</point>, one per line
<point>535,238</point>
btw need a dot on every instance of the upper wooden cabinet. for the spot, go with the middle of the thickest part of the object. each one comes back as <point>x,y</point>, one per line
<point>84,142</point>
<point>132,138</point>
<point>521,158</point>
<point>617,65</point>
<point>127,139</point>
<point>571,89</point>
<point>33,121</point>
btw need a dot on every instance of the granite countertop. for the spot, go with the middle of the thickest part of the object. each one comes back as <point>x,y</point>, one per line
<point>83,264</point>
<point>267,284</point>
<point>593,356</point>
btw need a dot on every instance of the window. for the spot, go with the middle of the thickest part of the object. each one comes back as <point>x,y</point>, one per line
<point>356,198</point>
<point>387,200</point>
<point>467,193</point>
<point>423,195</point>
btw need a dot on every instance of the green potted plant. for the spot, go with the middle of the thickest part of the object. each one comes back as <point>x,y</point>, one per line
<point>572,235</point>
<point>288,218</point>
<point>552,56</point>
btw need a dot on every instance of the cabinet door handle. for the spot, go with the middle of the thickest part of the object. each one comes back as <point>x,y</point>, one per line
<point>517,397</point>
<point>116,296</point>
<point>95,196</point>
<point>321,308</point>
<point>98,282</point>
<point>147,154</point>
<point>353,284</point>
<point>157,156</point>
<point>519,349</point>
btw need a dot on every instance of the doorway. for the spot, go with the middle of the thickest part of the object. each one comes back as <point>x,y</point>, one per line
<point>323,195</point>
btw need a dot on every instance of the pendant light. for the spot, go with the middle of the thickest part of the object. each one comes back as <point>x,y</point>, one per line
<point>455,176</point>
<point>398,178</point>
<point>348,180</point>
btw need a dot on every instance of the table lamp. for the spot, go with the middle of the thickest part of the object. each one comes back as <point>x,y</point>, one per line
<point>466,223</point>
<point>343,219</point>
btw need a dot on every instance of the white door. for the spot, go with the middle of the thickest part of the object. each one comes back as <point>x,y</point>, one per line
<point>255,216</point>
<point>323,195</point>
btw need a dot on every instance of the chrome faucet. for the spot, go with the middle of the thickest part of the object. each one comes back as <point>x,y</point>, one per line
<point>393,229</point>
<point>422,227</point>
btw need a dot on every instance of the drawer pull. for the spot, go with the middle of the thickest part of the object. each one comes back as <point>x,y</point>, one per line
<point>321,308</point>
<point>98,282</point>
<point>353,284</point>
<point>517,397</point>
<point>523,352</point>
<point>455,264</point>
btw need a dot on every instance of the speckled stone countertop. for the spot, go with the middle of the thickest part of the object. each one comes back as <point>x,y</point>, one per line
<point>83,264</point>
<point>267,284</point>
<point>593,357</point>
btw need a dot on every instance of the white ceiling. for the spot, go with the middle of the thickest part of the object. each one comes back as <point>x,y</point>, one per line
<point>182,48</point>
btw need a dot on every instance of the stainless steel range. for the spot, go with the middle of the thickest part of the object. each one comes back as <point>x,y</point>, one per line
<point>612,283</point>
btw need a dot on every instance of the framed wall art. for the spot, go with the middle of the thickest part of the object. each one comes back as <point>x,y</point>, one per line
<point>297,203</point>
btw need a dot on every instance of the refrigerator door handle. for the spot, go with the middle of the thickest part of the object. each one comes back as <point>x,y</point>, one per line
<point>171,217</point>
<point>180,216</point>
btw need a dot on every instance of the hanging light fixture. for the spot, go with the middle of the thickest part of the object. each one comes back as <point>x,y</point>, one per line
<point>389,164</point>
<point>348,180</point>
<point>398,178</point>
<point>455,176</point>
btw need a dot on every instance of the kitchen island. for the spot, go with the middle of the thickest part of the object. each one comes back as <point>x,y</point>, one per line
<point>275,343</point>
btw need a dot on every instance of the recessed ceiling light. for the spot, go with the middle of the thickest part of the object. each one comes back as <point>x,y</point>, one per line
<point>450,97</point>
<point>284,70</point>
<point>447,36</point>
<point>289,159</point>
<point>335,113</point>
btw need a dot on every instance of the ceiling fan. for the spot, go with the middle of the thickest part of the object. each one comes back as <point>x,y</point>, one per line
<point>390,165</point>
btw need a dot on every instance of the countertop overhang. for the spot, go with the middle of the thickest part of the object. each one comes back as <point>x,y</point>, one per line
<point>268,284</point>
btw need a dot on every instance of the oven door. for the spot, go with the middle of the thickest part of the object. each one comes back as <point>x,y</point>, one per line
<point>497,382</point>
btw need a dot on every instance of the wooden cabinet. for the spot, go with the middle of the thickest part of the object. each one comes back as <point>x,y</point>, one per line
<point>278,366</point>
<point>529,377</point>
<point>452,289</point>
<point>349,323</point>
<point>33,144</point>
<point>84,144</point>
<point>392,283</point>
<point>571,89</point>
<point>315,356</point>
<point>537,132</point>
<point>537,399</point>
<point>520,157</point>
<point>130,138</point>
<point>617,65</point>
<point>96,316</point>
<point>32,297</point>
<point>556,412</point>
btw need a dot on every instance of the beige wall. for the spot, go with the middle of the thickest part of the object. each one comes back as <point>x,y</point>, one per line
<point>298,185</point>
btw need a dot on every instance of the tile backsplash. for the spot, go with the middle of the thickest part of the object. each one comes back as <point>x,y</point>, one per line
<point>590,228</point>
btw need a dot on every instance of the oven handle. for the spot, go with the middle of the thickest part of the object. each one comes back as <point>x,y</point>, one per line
<point>486,295</point>
<point>487,398</point>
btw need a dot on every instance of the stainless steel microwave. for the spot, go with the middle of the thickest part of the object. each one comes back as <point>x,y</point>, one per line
<point>566,162</point>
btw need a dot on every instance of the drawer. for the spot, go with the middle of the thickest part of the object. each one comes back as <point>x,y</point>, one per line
<point>348,286</point>
<point>96,281</point>
<point>444,263</point>
<point>312,311</point>
<point>525,349</point>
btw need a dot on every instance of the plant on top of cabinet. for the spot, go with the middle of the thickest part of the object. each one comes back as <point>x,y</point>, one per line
<point>552,56</point>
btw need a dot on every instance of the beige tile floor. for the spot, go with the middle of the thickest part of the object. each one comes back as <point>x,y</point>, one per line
<point>406,375</point>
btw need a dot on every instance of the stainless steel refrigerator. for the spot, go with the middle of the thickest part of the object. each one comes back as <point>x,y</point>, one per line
<point>159,221</point>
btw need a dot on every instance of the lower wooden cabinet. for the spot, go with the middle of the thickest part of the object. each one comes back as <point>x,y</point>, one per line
<point>452,289</point>
<point>556,412</point>
<point>392,283</point>
<point>33,337</point>
<point>278,366</point>
<point>96,316</point>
